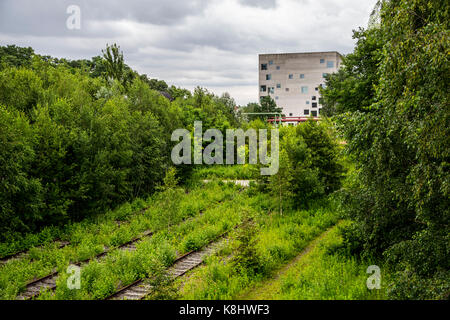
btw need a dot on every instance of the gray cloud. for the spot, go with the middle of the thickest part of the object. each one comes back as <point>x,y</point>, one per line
<point>259,3</point>
<point>211,43</point>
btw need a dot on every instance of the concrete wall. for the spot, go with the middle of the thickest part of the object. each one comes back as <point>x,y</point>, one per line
<point>294,102</point>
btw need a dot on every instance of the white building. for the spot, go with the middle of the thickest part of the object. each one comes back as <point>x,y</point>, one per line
<point>293,80</point>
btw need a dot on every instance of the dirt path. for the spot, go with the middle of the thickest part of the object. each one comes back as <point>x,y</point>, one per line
<point>268,289</point>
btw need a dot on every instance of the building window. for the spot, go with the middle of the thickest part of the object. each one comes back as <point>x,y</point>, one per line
<point>291,76</point>
<point>322,60</point>
<point>278,85</point>
<point>330,64</point>
<point>276,98</point>
<point>290,114</point>
<point>314,113</point>
<point>305,89</point>
<point>268,76</point>
<point>324,75</point>
<point>319,110</point>
<point>306,112</point>
<point>263,89</point>
<point>278,67</point>
<point>271,90</point>
<point>270,62</point>
<point>287,89</point>
<point>316,88</point>
<point>314,104</point>
<point>307,102</point>
<point>302,76</point>
<point>263,66</point>
<point>313,98</point>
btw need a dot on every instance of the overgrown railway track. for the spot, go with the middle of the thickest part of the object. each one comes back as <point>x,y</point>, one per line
<point>48,282</point>
<point>35,287</point>
<point>139,289</point>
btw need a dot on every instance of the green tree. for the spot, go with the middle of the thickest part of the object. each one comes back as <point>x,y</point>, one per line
<point>398,137</point>
<point>20,89</point>
<point>20,193</point>
<point>353,87</point>
<point>14,56</point>
<point>266,105</point>
<point>115,65</point>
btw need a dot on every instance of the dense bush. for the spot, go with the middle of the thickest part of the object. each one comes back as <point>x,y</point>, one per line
<point>310,164</point>
<point>78,137</point>
<point>399,142</point>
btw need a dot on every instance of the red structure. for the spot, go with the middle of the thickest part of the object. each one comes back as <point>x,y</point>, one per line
<point>292,119</point>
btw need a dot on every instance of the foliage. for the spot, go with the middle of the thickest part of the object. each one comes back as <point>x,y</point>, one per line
<point>245,256</point>
<point>162,284</point>
<point>81,136</point>
<point>353,86</point>
<point>310,164</point>
<point>266,105</point>
<point>115,66</point>
<point>261,251</point>
<point>398,138</point>
<point>14,56</point>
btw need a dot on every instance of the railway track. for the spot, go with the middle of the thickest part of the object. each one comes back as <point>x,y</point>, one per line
<point>24,253</point>
<point>48,282</point>
<point>140,289</point>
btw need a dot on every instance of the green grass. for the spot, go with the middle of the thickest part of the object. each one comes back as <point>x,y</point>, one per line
<point>316,274</point>
<point>320,274</point>
<point>278,240</point>
<point>245,171</point>
<point>102,278</point>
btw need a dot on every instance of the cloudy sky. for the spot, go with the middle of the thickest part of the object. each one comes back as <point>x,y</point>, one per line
<point>188,43</point>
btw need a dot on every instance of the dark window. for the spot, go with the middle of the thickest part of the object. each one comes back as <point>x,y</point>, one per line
<point>271,89</point>
<point>287,89</point>
<point>314,113</point>
<point>263,89</point>
<point>263,66</point>
<point>313,98</point>
<point>314,104</point>
<point>278,67</point>
<point>319,110</point>
<point>306,112</point>
<point>290,114</point>
<point>302,76</point>
<point>268,76</point>
<point>316,88</point>
<point>270,62</point>
<point>322,60</point>
<point>278,85</point>
<point>291,76</point>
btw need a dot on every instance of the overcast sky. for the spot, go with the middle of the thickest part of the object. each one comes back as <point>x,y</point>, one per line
<point>209,43</point>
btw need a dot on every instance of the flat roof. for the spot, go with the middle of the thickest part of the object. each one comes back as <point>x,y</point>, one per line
<point>293,53</point>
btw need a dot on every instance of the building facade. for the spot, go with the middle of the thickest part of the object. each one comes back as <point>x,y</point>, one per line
<point>293,80</point>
